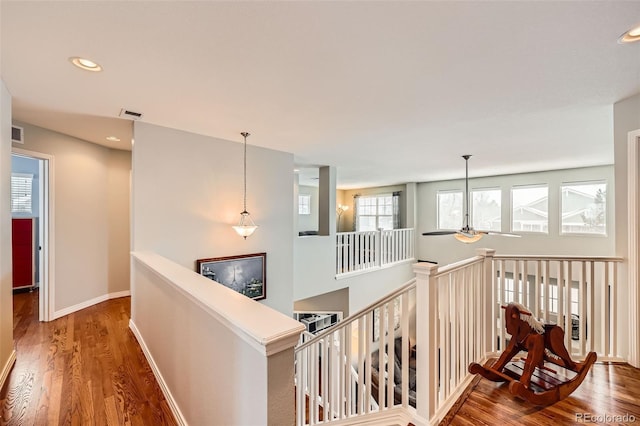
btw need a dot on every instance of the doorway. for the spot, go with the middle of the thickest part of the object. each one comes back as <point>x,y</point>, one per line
<point>31,201</point>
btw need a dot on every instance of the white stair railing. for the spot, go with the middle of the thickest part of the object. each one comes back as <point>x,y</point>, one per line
<point>579,294</point>
<point>345,371</point>
<point>358,251</point>
<point>458,320</point>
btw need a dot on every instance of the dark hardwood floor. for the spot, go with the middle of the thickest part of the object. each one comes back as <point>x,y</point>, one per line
<point>83,369</point>
<point>609,390</point>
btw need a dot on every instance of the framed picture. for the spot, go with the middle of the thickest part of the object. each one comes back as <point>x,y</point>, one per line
<point>246,273</point>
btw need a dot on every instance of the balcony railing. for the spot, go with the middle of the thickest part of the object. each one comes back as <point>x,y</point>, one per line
<point>433,327</point>
<point>359,251</point>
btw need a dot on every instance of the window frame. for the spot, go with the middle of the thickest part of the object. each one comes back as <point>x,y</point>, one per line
<point>377,209</point>
<point>512,208</point>
<point>472,209</point>
<point>449,191</point>
<point>29,176</point>
<point>307,204</point>
<point>561,187</point>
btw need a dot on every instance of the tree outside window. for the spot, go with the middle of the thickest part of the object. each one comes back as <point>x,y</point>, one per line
<point>584,208</point>
<point>449,209</point>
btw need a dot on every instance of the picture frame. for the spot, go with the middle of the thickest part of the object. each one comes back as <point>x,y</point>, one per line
<point>245,273</point>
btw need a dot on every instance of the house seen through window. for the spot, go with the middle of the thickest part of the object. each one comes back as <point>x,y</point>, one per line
<point>584,208</point>
<point>530,209</point>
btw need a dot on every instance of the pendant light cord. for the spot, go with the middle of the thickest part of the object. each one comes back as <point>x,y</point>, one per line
<point>466,188</point>
<point>245,134</point>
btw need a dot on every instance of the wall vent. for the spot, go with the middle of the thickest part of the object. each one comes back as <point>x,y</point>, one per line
<point>17,134</point>
<point>132,115</point>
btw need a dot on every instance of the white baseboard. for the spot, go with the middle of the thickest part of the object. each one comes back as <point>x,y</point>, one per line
<point>7,368</point>
<point>91,302</point>
<point>173,405</point>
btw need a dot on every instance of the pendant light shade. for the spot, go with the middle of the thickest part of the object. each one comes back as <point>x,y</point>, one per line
<point>246,226</point>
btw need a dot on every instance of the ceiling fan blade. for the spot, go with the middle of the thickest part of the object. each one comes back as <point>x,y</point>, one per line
<point>502,234</point>
<point>439,233</point>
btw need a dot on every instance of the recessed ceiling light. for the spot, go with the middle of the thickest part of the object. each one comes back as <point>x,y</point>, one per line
<point>630,36</point>
<point>85,64</point>
<point>112,139</point>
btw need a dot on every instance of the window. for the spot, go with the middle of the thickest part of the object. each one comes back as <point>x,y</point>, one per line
<point>375,212</point>
<point>304,204</point>
<point>21,184</point>
<point>584,208</point>
<point>486,211</point>
<point>449,209</point>
<point>530,209</point>
<point>553,298</point>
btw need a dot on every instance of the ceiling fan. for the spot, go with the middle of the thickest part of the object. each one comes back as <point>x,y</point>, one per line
<point>467,234</point>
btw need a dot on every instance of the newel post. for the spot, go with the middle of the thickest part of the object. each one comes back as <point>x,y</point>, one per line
<point>426,343</point>
<point>487,300</point>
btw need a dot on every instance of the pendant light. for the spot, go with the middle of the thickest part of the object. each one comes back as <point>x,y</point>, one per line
<point>246,226</point>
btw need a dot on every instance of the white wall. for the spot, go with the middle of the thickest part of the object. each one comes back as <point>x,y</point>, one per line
<point>119,219</point>
<point>445,249</point>
<point>309,222</point>
<point>315,274</point>
<point>187,193</point>
<point>91,218</point>
<point>626,118</point>
<point>6,301</point>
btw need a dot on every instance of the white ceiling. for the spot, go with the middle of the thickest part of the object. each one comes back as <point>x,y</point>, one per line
<point>388,92</point>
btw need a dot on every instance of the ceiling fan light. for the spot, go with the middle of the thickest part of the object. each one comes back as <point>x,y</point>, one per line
<point>467,238</point>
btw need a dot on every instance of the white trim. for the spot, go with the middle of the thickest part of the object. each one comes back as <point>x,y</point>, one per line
<point>7,368</point>
<point>47,232</point>
<point>173,405</point>
<point>88,303</point>
<point>373,269</point>
<point>397,415</point>
<point>633,248</point>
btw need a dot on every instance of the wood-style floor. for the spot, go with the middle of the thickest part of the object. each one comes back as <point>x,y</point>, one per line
<point>609,390</point>
<point>83,369</point>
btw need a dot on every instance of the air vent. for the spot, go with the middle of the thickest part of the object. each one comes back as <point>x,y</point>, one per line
<point>17,134</point>
<point>132,115</point>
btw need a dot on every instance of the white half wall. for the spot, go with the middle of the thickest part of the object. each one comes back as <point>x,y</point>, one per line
<point>220,357</point>
<point>188,192</point>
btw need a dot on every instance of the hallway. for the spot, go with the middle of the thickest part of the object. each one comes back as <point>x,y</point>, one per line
<point>84,368</point>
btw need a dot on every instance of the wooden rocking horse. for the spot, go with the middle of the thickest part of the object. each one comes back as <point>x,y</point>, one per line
<point>533,380</point>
